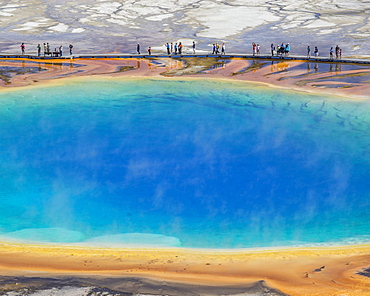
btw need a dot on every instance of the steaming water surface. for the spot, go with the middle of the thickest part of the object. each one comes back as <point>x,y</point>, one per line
<point>187,163</point>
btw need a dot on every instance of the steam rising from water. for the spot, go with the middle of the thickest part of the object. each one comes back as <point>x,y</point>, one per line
<point>190,163</point>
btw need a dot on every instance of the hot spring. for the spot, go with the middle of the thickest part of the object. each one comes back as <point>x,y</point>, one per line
<point>188,163</point>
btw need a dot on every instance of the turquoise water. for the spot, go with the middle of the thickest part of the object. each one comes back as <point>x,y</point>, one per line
<point>191,163</point>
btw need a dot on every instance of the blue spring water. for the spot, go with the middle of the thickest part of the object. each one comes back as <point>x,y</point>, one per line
<point>191,163</point>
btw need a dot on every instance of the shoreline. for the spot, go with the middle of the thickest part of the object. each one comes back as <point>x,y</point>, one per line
<point>328,247</point>
<point>339,249</point>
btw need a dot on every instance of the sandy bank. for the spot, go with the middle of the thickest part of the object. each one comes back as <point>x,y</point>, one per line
<point>306,271</point>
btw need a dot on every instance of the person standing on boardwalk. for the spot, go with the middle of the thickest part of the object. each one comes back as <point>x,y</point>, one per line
<point>316,52</point>
<point>60,50</point>
<point>180,48</point>
<point>213,48</point>
<point>70,49</point>
<point>45,50</point>
<point>193,47</point>
<point>331,53</point>
<point>287,49</point>
<point>272,49</point>
<point>223,48</point>
<point>149,50</point>
<point>278,50</point>
<point>254,48</point>
<point>340,53</point>
<point>138,48</point>
<point>308,52</point>
<point>258,47</point>
<point>23,48</point>
<point>171,47</point>
<point>38,49</point>
<point>47,47</point>
<point>337,52</point>
<point>282,49</point>
<point>168,48</point>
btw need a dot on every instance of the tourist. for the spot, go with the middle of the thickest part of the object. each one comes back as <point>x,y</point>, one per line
<point>70,49</point>
<point>176,47</point>
<point>45,50</point>
<point>60,50</point>
<point>223,48</point>
<point>23,48</point>
<point>138,48</point>
<point>331,53</point>
<point>214,48</point>
<point>254,48</point>
<point>287,49</point>
<point>258,49</point>
<point>316,52</point>
<point>38,49</point>
<point>47,47</point>
<point>149,50</point>
<point>193,47</point>
<point>308,52</point>
<point>272,49</point>
<point>281,49</point>
<point>168,48</point>
<point>217,48</point>
<point>337,52</point>
<point>171,47</point>
<point>340,53</point>
<point>179,48</point>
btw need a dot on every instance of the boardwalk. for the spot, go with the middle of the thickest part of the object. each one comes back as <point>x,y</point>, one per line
<point>227,56</point>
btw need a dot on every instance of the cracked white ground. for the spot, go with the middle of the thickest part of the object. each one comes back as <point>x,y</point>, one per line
<point>106,26</point>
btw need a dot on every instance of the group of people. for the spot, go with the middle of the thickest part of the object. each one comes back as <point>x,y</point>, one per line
<point>256,49</point>
<point>171,48</point>
<point>283,49</point>
<point>177,48</point>
<point>218,49</point>
<point>316,52</point>
<point>46,48</point>
<point>338,52</point>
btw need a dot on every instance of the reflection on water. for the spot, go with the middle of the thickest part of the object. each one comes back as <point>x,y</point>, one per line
<point>7,72</point>
<point>221,64</point>
<point>279,66</point>
<point>316,67</point>
<point>328,75</point>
